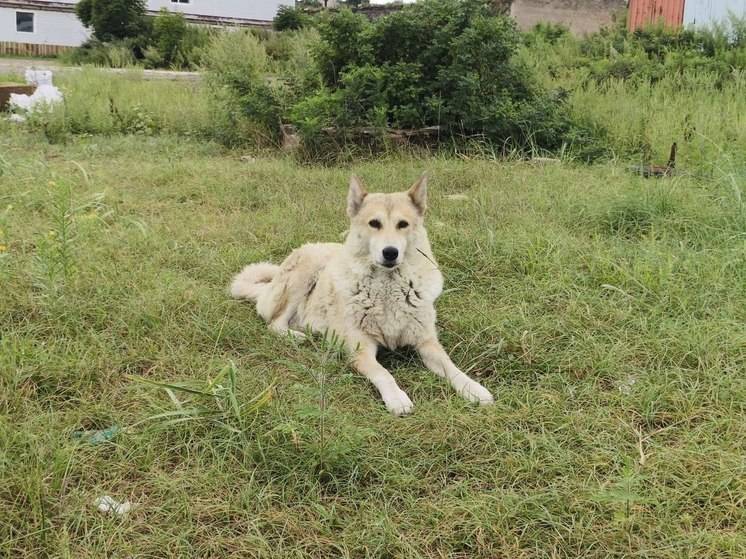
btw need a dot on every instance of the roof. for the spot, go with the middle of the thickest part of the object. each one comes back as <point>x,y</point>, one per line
<point>69,7</point>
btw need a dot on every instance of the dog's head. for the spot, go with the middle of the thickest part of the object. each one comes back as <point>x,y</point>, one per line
<point>384,226</point>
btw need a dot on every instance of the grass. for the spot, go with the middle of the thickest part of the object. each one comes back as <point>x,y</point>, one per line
<point>603,310</point>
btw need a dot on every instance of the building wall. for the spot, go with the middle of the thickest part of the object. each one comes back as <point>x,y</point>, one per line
<point>50,28</point>
<point>57,24</point>
<point>246,9</point>
<point>707,12</point>
<point>581,16</point>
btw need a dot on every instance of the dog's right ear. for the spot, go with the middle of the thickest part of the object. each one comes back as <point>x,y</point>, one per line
<point>355,196</point>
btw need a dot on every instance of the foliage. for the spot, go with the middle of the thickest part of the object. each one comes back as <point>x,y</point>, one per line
<point>169,30</point>
<point>438,62</point>
<point>113,19</point>
<point>606,310</point>
<point>289,18</point>
<point>164,41</point>
<point>102,103</point>
<point>250,107</point>
<point>649,53</point>
<point>547,32</point>
<point>115,54</point>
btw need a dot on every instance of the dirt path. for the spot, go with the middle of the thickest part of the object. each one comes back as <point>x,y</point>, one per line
<point>19,65</point>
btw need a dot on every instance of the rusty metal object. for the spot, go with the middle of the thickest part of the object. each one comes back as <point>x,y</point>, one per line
<point>648,12</point>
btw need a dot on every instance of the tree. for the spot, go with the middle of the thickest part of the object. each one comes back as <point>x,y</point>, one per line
<point>169,30</point>
<point>289,18</point>
<point>113,19</point>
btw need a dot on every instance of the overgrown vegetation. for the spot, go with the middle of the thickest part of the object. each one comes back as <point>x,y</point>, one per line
<point>441,63</point>
<point>605,311</point>
<point>645,55</point>
<point>464,74</point>
<point>123,36</point>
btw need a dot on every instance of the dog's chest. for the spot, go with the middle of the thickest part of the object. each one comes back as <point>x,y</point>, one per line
<point>391,310</point>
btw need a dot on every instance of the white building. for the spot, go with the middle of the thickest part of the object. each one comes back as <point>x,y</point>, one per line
<point>43,26</point>
<point>712,12</point>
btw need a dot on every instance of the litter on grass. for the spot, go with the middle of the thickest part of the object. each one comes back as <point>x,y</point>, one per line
<point>46,94</point>
<point>97,437</point>
<point>108,504</point>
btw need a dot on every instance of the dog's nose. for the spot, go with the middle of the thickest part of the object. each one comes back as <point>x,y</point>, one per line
<point>390,254</point>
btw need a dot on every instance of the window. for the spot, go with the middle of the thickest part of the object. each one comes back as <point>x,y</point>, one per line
<point>25,22</point>
<point>180,1</point>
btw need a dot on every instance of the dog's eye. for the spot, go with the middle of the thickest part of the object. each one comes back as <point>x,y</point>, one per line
<point>375,224</point>
<point>402,224</point>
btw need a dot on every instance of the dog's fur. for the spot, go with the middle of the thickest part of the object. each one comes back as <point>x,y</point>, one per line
<point>353,291</point>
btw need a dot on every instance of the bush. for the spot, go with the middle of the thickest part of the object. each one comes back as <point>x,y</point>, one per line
<point>113,19</point>
<point>169,30</point>
<point>438,62</point>
<point>117,54</point>
<point>248,107</point>
<point>652,52</point>
<point>546,32</point>
<point>289,19</point>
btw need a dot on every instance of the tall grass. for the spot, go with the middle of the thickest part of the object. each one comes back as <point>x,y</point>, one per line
<point>101,102</point>
<point>604,310</point>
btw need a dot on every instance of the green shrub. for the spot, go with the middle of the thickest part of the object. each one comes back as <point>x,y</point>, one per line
<point>289,18</point>
<point>649,53</point>
<point>546,32</point>
<point>113,19</point>
<point>247,106</point>
<point>116,54</point>
<point>169,30</point>
<point>438,62</point>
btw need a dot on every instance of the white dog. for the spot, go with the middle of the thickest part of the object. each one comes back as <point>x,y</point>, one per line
<point>376,289</point>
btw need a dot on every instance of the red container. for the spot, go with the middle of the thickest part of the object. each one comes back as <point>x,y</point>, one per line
<point>646,12</point>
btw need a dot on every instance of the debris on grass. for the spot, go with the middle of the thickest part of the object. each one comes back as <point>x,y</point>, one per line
<point>107,504</point>
<point>625,386</point>
<point>46,94</point>
<point>457,197</point>
<point>97,436</point>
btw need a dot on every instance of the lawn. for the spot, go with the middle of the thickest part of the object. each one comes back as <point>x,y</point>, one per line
<point>605,312</point>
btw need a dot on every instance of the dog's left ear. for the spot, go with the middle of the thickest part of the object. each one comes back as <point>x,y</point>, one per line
<point>418,193</point>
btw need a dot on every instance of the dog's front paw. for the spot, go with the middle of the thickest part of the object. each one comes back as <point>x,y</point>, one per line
<point>475,392</point>
<point>398,403</point>
<point>300,336</point>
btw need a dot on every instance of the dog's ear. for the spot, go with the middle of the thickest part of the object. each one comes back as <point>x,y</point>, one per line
<point>355,196</point>
<point>418,193</point>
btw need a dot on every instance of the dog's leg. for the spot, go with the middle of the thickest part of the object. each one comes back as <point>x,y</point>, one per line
<point>364,360</point>
<point>436,359</point>
<point>281,325</point>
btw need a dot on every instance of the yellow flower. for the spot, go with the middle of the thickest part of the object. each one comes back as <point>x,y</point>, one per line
<point>52,183</point>
<point>3,248</point>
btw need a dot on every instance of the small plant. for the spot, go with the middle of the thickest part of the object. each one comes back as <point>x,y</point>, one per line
<point>55,256</point>
<point>135,120</point>
<point>4,237</point>
<point>623,495</point>
<point>215,402</point>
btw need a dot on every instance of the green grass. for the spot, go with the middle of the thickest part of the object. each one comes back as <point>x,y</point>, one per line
<point>605,311</point>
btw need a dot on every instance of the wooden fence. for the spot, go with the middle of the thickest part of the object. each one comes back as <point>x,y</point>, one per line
<point>28,49</point>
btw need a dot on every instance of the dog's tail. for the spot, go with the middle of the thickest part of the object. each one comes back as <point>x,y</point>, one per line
<point>253,280</point>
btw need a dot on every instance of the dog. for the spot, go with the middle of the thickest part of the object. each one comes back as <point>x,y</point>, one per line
<point>377,289</point>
